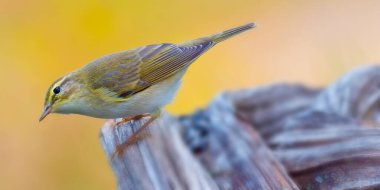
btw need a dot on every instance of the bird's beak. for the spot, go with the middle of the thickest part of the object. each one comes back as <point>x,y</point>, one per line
<point>46,112</point>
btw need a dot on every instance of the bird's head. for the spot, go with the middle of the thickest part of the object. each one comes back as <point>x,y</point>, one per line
<point>60,94</point>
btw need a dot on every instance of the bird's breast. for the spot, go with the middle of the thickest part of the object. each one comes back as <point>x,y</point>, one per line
<point>146,101</point>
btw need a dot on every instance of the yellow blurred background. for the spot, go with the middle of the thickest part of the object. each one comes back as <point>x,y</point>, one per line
<point>312,42</point>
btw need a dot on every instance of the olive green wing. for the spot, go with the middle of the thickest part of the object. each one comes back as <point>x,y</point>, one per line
<point>123,74</point>
<point>169,60</point>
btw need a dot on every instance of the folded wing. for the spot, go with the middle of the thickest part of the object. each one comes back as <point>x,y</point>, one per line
<point>123,74</point>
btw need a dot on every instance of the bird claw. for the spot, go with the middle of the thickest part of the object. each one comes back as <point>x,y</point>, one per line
<point>138,135</point>
<point>120,148</point>
<point>130,118</point>
<point>117,153</point>
<point>123,120</point>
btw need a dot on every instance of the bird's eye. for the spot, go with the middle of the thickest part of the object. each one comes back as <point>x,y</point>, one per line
<point>56,90</point>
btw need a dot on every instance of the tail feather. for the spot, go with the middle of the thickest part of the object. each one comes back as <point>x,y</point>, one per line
<point>231,32</point>
<point>216,38</point>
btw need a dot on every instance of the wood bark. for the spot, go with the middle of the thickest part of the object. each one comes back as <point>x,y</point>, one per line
<point>271,137</point>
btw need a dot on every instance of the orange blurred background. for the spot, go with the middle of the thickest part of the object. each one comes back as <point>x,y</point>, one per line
<point>312,42</point>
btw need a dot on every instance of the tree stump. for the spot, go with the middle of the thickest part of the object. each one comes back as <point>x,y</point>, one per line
<point>272,137</point>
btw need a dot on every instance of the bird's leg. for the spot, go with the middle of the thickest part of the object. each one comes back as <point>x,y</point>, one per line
<point>135,136</point>
<point>129,118</point>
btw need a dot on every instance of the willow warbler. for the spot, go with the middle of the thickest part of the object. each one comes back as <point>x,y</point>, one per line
<point>129,84</point>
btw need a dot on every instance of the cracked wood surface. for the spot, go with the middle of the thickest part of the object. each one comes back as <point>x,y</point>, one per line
<point>271,137</point>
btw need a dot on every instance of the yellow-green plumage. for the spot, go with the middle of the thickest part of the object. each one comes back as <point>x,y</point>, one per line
<point>132,82</point>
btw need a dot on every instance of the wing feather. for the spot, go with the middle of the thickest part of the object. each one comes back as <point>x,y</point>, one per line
<point>123,74</point>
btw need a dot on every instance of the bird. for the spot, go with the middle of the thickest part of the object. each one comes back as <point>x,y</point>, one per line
<point>130,84</point>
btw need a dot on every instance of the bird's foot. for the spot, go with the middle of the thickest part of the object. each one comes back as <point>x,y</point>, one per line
<point>138,135</point>
<point>120,148</point>
<point>130,118</point>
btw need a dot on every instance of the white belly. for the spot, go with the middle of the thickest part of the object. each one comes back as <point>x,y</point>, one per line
<point>146,101</point>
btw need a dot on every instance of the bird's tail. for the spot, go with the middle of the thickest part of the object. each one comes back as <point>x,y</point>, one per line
<point>216,38</point>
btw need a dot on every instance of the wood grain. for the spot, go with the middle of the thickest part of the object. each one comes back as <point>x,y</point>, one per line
<point>279,136</point>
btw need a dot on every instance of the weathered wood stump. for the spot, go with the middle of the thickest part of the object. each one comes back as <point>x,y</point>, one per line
<point>272,137</point>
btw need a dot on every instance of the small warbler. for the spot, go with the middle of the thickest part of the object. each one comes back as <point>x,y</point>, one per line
<point>130,84</point>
